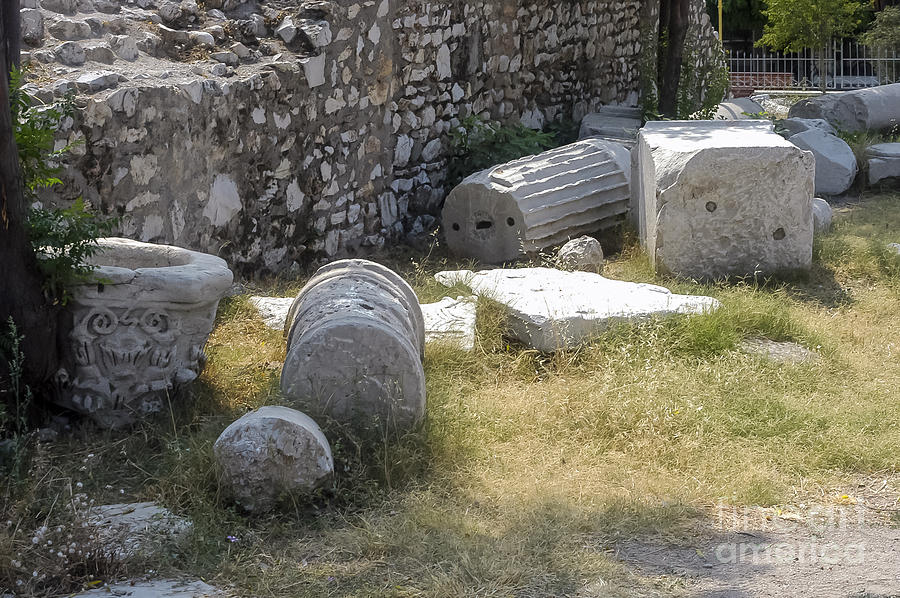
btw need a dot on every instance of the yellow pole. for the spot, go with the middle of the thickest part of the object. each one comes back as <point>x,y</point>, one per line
<point>721,32</point>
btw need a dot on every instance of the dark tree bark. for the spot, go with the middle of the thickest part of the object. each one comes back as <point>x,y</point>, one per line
<point>673,26</point>
<point>21,297</point>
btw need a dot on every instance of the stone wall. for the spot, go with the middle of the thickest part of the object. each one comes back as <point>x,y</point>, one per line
<point>332,141</point>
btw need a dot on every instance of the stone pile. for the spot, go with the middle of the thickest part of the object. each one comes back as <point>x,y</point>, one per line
<point>551,309</point>
<point>355,340</point>
<point>720,198</point>
<point>526,205</point>
<point>871,109</point>
<point>270,452</point>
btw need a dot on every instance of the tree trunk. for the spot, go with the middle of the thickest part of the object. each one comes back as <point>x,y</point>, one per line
<point>22,297</point>
<point>823,76</point>
<point>673,30</point>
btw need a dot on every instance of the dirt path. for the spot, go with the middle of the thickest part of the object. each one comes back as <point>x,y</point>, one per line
<point>846,550</point>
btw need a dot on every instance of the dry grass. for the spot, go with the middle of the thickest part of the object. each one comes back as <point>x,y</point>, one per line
<point>531,466</point>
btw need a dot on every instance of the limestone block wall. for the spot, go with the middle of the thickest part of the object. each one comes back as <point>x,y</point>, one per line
<point>337,145</point>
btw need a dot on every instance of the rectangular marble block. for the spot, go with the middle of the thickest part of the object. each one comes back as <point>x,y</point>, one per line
<point>723,198</point>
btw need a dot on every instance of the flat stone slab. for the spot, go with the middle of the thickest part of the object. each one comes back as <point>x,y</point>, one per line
<point>273,310</point>
<point>137,527</point>
<point>157,588</point>
<point>451,321</point>
<point>552,309</point>
<point>780,351</point>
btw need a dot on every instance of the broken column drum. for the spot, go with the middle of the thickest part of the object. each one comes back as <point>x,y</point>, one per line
<point>526,205</point>
<point>354,348</point>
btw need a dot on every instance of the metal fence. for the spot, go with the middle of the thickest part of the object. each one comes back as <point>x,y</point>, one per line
<point>848,65</point>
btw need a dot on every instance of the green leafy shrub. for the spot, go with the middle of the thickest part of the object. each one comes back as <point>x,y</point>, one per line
<point>478,145</point>
<point>885,31</point>
<point>63,238</point>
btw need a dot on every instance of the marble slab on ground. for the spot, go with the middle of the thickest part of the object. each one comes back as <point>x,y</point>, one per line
<point>447,321</point>
<point>451,321</point>
<point>157,588</point>
<point>138,527</point>
<point>273,310</point>
<point>552,309</point>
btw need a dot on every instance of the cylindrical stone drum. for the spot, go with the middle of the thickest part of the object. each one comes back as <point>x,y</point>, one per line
<point>526,205</point>
<point>355,337</point>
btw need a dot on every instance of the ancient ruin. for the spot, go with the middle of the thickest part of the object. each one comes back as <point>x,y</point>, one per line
<point>277,136</point>
<point>540,201</point>
<point>354,348</point>
<point>138,328</point>
<point>704,209</point>
<point>270,452</point>
<point>551,309</point>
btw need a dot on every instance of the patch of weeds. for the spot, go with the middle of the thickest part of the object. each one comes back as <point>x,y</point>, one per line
<point>477,145</point>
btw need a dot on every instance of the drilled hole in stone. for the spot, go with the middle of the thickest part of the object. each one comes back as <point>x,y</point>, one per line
<point>483,224</point>
<point>456,226</point>
<point>510,221</point>
<point>778,234</point>
<point>711,206</point>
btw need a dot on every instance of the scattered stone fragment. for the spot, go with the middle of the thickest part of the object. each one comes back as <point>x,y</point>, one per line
<point>96,80</point>
<point>883,161</point>
<point>67,7</point>
<point>619,124</point>
<point>269,452</point>
<point>821,210</point>
<point>286,30</point>
<point>738,109</point>
<point>504,212</point>
<point>583,253</point>
<point>782,352</point>
<point>32,26</point>
<point>451,321</point>
<point>273,310</point>
<point>895,247</point>
<point>229,58</point>
<point>124,46</point>
<point>157,588</point>
<point>202,38</point>
<point>702,213</point>
<point>107,6</point>
<point>99,52</point>
<point>70,53</point>
<point>551,309</point>
<point>800,125</point>
<point>354,348</point>
<point>68,29</point>
<point>138,528</point>
<point>835,162</point>
<point>242,51</point>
